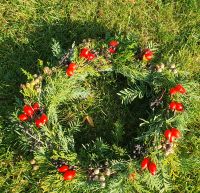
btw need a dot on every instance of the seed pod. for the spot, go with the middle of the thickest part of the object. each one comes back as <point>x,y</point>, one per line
<point>162,66</point>
<point>32,162</point>
<point>22,86</point>
<point>175,71</point>
<point>37,81</point>
<point>28,85</point>
<point>35,167</point>
<point>40,78</point>
<point>107,172</point>
<point>173,66</point>
<point>95,178</point>
<point>35,75</point>
<point>102,178</point>
<point>96,171</point>
<point>103,184</point>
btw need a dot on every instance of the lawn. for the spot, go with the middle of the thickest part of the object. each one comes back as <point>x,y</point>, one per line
<point>28,29</point>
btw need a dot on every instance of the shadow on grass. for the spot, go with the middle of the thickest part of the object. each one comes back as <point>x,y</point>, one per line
<point>15,56</point>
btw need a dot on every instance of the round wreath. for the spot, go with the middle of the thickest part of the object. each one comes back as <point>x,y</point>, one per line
<point>105,113</point>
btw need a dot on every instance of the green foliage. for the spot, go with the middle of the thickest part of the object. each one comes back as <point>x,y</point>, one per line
<point>26,35</point>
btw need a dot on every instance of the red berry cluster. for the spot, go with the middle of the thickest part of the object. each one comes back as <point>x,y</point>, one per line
<point>87,54</point>
<point>147,54</point>
<point>177,89</point>
<point>172,134</point>
<point>71,68</point>
<point>113,46</point>
<point>175,105</point>
<point>147,163</point>
<point>33,112</point>
<point>69,174</point>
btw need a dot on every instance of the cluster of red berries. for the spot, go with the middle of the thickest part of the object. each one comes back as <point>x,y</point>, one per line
<point>172,134</point>
<point>177,89</point>
<point>113,46</point>
<point>71,68</point>
<point>147,163</point>
<point>33,112</point>
<point>69,174</point>
<point>87,54</point>
<point>175,105</point>
<point>147,55</point>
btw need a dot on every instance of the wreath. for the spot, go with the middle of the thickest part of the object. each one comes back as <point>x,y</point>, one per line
<point>105,115</point>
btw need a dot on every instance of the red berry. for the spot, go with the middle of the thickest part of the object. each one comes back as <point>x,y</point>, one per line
<point>147,55</point>
<point>180,89</point>
<point>84,53</point>
<point>63,168</point>
<point>69,72</point>
<point>152,168</point>
<point>38,123</point>
<point>69,174</point>
<point>28,110</point>
<point>36,106</point>
<point>113,43</point>
<point>171,138</point>
<point>179,107</point>
<point>168,134</point>
<point>145,162</point>
<point>172,91</point>
<point>175,133</point>
<point>91,56</point>
<point>23,117</point>
<point>112,50</point>
<point>172,105</point>
<point>72,66</point>
<point>43,118</point>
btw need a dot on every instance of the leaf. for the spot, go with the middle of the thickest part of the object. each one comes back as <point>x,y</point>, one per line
<point>89,120</point>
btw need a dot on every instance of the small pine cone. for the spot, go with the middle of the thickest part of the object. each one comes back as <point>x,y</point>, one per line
<point>162,66</point>
<point>35,167</point>
<point>173,66</point>
<point>95,178</point>
<point>96,171</point>
<point>107,172</point>
<point>103,184</point>
<point>32,162</point>
<point>102,178</point>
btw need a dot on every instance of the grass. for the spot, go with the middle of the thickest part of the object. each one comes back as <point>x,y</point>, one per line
<point>28,27</point>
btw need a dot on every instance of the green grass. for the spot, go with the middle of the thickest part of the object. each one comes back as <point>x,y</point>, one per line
<point>28,27</point>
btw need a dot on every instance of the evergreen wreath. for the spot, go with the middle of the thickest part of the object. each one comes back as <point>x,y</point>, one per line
<point>105,116</point>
